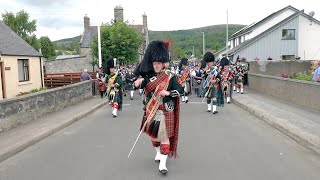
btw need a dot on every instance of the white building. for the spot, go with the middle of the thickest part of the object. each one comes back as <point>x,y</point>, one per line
<point>283,35</point>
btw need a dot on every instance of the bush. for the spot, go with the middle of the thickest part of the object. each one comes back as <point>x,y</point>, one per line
<point>305,76</point>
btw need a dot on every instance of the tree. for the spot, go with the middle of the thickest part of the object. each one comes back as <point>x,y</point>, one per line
<point>118,41</point>
<point>21,25</point>
<point>47,47</point>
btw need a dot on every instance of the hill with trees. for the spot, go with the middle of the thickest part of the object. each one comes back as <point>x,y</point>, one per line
<point>182,41</point>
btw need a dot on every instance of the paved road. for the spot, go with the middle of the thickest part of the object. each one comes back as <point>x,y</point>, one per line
<point>231,145</point>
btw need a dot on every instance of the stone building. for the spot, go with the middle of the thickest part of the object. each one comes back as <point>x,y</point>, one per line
<point>90,32</point>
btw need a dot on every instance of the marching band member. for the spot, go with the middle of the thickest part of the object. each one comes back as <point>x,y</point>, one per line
<point>184,79</point>
<point>130,78</point>
<point>226,78</point>
<point>239,78</point>
<point>162,106</point>
<point>212,84</point>
<point>114,86</point>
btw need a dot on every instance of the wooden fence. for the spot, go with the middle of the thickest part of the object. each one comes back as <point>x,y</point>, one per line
<point>63,79</point>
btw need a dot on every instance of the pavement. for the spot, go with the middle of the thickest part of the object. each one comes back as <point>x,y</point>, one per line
<point>17,139</point>
<point>299,123</point>
<point>233,144</point>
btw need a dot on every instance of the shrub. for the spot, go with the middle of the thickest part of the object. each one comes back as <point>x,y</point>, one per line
<point>305,76</point>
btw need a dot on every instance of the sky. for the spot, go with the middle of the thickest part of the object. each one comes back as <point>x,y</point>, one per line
<point>59,19</point>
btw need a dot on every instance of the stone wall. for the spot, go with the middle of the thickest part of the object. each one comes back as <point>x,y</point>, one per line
<point>277,68</point>
<point>302,93</point>
<point>24,109</point>
<point>76,64</point>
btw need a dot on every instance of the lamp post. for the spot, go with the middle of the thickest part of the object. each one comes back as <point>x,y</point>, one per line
<point>203,44</point>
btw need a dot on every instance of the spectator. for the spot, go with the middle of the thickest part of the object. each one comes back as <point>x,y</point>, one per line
<point>85,76</point>
<point>316,75</point>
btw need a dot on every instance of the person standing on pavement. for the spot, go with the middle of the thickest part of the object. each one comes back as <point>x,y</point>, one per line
<point>85,75</point>
<point>101,86</point>
<point>316,75</point>
<point>162,106</point>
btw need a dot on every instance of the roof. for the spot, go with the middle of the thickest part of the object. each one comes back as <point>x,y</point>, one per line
<point>88,36</point>
<point>252,26</point>
<point>66,56</point>
<point>12,44</point>
<point>248,42</point>
<point>92,32</point>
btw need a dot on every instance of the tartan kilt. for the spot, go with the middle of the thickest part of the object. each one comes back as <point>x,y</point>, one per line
<point>118,98</point>
<point>239,80</point>
<point>213,92</point>
<point>169,120</point>
<point>129,86</point>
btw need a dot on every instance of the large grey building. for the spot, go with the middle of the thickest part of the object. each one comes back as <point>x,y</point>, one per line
<point>90,32</point>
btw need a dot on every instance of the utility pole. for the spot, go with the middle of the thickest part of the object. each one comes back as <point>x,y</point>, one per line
<point>192,51</point>
<point>99,37</point>
<point>227,48</point>
<point>203,44</point>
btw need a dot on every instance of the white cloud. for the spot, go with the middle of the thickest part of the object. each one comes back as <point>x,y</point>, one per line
<point>64,18</point>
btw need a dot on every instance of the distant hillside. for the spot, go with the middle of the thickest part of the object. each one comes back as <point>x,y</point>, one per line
<point>67,46</point>
<point>184,40</point>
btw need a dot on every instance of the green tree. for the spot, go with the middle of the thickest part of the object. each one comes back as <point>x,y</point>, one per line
<point>21,25</point>
<point>120,41</point>
<point>47,47</point>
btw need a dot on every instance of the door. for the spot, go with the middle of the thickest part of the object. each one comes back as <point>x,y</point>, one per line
<point>2,83</point>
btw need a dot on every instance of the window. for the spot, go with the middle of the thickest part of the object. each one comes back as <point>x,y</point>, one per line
<point>288,57</point>
<point>23,69</point>
<point>288,34</point>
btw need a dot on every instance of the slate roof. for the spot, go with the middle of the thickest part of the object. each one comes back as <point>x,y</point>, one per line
<point>249,41</point>
<point>88,36</point>
<point>252,26</point>
<point>14,45</point>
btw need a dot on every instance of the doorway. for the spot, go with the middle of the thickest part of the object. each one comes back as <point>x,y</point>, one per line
<point>3,92</point>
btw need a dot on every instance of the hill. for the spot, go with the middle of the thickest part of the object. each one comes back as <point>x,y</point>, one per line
<point>67,46</point>
<point>184,40</point>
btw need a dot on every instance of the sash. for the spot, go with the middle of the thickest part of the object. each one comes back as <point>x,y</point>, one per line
<point>152,106</point>
<point>183,77</point>
<point>111,81</point>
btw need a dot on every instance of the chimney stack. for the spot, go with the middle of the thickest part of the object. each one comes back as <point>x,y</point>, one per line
<point>145,20</point>
<point>118,14</point>
<point>86,22</point>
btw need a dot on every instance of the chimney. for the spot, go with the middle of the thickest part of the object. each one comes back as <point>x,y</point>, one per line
<point>86,22</point>
<point>145,20</point>
<point>118,14</point>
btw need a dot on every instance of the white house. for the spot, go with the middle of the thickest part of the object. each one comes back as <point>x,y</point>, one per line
<point>285,34</point>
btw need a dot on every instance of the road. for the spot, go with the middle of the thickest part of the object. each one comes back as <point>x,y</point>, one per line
<point>231,145</point>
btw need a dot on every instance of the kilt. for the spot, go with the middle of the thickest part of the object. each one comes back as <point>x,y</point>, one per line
<point>129,86</point>
<point>117,99</point>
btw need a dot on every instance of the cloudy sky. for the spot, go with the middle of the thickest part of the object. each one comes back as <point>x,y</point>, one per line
<point>60,19</point>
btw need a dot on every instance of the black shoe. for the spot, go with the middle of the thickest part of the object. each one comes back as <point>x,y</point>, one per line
<point>163,171</point>
<point>124,95</point>
<point>215,112</point>
<point>228,102</point>
<point>187,101</point>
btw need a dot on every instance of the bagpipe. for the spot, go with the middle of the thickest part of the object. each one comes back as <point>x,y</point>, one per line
<point>212,75</point>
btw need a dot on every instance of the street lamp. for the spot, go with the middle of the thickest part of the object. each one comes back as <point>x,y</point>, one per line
<point>203,44</point>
